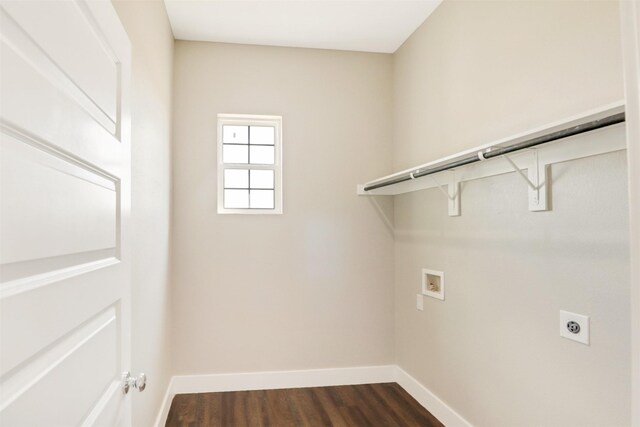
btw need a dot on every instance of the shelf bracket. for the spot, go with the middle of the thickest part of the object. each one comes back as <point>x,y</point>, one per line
<point>373,199</point>
<point>452,192</point>
<point>383,215</point>
<point>537,179</point>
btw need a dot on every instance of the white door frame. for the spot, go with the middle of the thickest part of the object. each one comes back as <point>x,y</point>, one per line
<point>630,31</point>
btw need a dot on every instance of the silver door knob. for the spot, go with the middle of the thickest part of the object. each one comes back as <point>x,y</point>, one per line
<point>128,382</point>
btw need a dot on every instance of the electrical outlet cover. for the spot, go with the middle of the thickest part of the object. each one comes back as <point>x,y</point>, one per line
<point>574,326</point>
<point>419,302</point>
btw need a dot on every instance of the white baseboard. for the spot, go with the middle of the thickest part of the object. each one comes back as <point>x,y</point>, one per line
<point>161,419</point>
<point>443,412</point>
<point>282,379</point>
<point>273,380</point>
<point>309,378</point>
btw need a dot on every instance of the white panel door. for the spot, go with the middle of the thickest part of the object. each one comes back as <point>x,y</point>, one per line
<point>64,209</point>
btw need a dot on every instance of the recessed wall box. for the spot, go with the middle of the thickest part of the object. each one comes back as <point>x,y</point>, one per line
<point>433,283</point>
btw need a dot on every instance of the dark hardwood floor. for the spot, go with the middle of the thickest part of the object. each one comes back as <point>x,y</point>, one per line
<point>345,406</point>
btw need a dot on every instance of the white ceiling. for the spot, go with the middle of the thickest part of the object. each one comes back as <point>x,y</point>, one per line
<point>360,25</point>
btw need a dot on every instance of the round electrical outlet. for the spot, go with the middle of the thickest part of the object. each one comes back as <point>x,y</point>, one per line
<point>573,327</point>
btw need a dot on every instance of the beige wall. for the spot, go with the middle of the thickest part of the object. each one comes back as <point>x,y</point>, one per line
<point>476,72</point>
<point>311,288</point>
<point>152,41</point>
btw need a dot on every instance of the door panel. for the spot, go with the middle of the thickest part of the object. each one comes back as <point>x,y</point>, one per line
<point>47,107</point>
<point>31,307</point>
<point>76,362</point>
<point>80,205</point>
<point>77,48</point>
<point>64,193</point>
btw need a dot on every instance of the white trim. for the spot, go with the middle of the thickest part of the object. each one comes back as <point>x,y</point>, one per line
<point>309,378</point>
<point>163,414</point>
<point>438,408</point>
<point>630,32</point>
<point>249,120</point>
<point>282,379</point>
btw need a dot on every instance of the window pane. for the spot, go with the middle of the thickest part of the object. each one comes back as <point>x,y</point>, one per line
<point>236,199</point>
<point>235,134</point>
<point>263,135</point>
<point>262,179</point>
<point>235,154</point>
<point>236,178</point>
<point>262,155</point>
<point>262,199</point>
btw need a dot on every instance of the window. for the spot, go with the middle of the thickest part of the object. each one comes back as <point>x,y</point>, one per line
<point>249,164</point>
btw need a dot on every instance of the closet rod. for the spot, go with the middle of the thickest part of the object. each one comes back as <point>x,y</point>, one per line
<point>499,151</point>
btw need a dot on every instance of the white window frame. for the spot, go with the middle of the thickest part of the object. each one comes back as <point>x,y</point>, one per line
<point>249,120</point>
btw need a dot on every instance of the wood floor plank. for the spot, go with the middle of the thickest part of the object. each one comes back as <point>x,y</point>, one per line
<point>212,411</point>
<point>228,408</point>
<point>263,402</point>
<point>405,417</point>
<point>280,412</point>
<point>297,413</point>
<point>330,406</point>
<point>313,412</point>
<point>253,410</point>
<point>390,417</point>
<point>417,408</point>
<point>398,401</point>
<point>240,409</point>
<point>185,410</point>
<point>374,405</point>
<point>355,417</point>
<point>334,395</point>
<point>368,403</point>
<point>346,395</point>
